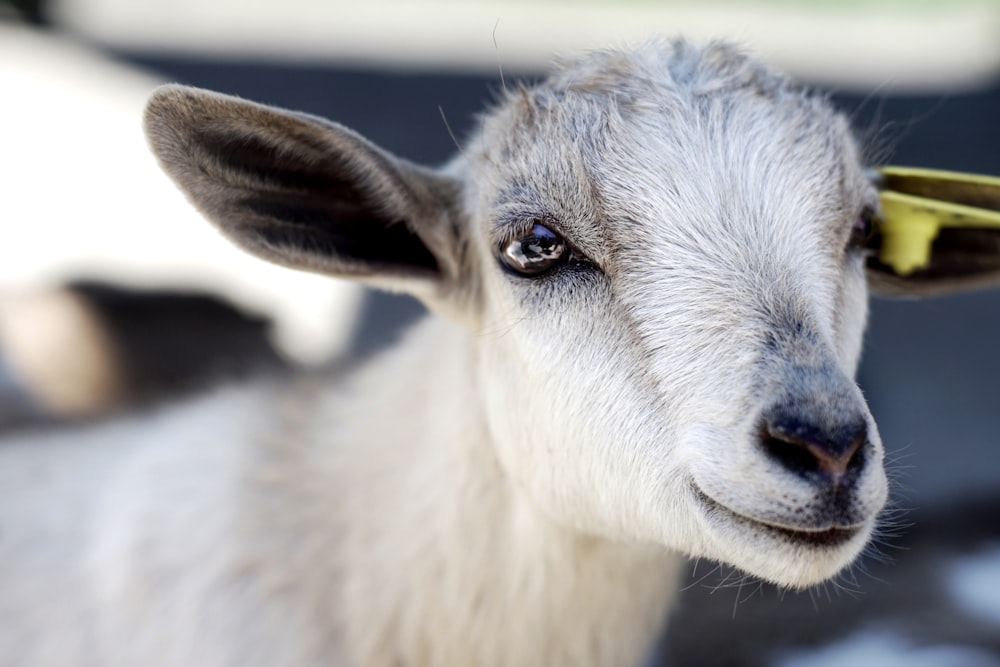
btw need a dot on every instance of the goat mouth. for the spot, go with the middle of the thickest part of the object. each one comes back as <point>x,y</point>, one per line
<point>825,538</point>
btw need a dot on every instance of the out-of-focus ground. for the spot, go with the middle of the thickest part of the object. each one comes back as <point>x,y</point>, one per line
<point>921,81</point>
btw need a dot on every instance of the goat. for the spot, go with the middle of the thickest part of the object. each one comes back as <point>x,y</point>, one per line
<point>648,294</point>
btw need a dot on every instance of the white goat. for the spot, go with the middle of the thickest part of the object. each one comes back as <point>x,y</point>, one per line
<point>649,286</point>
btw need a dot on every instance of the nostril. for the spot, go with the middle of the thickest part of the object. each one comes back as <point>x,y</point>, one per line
<point>791,455</point>
<point>806,449</point>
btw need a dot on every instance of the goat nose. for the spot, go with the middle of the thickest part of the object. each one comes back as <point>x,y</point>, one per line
<point>831,452</point>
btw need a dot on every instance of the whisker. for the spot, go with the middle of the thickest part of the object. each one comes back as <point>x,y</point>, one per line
<point>451,134</point>
<point>496,47</point>
<point>702,578</point>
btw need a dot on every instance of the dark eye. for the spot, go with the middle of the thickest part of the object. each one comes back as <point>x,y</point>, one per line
<point>535,253</point>
<point>863,229</point>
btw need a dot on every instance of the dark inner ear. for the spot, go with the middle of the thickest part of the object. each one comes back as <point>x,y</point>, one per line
<point>317,226</point>
<point>960,258</point>
<point>298,197</point>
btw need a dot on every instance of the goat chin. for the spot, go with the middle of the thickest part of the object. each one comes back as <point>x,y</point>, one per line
<point>794,559</point>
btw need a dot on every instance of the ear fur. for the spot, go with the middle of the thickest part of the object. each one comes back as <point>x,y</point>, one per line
<point>961,259</point>
<point>307,193</point>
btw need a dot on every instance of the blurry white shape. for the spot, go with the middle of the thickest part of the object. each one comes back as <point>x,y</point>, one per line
<point>59,352</point>
<point>882,649</point>
<point>974,583</point>
<point>895,45</point>
<point>83,198</point>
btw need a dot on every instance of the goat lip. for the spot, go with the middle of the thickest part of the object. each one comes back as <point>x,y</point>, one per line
<point>830,536</point>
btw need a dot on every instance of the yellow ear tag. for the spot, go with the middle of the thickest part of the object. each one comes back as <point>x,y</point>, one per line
<point>917,203</point>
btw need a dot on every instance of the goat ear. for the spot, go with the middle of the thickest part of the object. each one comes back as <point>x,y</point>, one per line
<point>305,192</point>
<point>961,258</point>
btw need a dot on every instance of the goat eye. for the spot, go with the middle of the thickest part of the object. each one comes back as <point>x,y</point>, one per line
<point>535,253</point>
<point>863,229</point>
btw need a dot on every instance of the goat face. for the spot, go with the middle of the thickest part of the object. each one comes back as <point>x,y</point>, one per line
<point>673,301</point>
<point>659,254</point>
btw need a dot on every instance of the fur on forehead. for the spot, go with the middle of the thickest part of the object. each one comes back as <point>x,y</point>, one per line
<point>584,119</point>
<point>658,77</point>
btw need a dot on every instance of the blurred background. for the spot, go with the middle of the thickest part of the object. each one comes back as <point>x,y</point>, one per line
<point>115,295</point>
